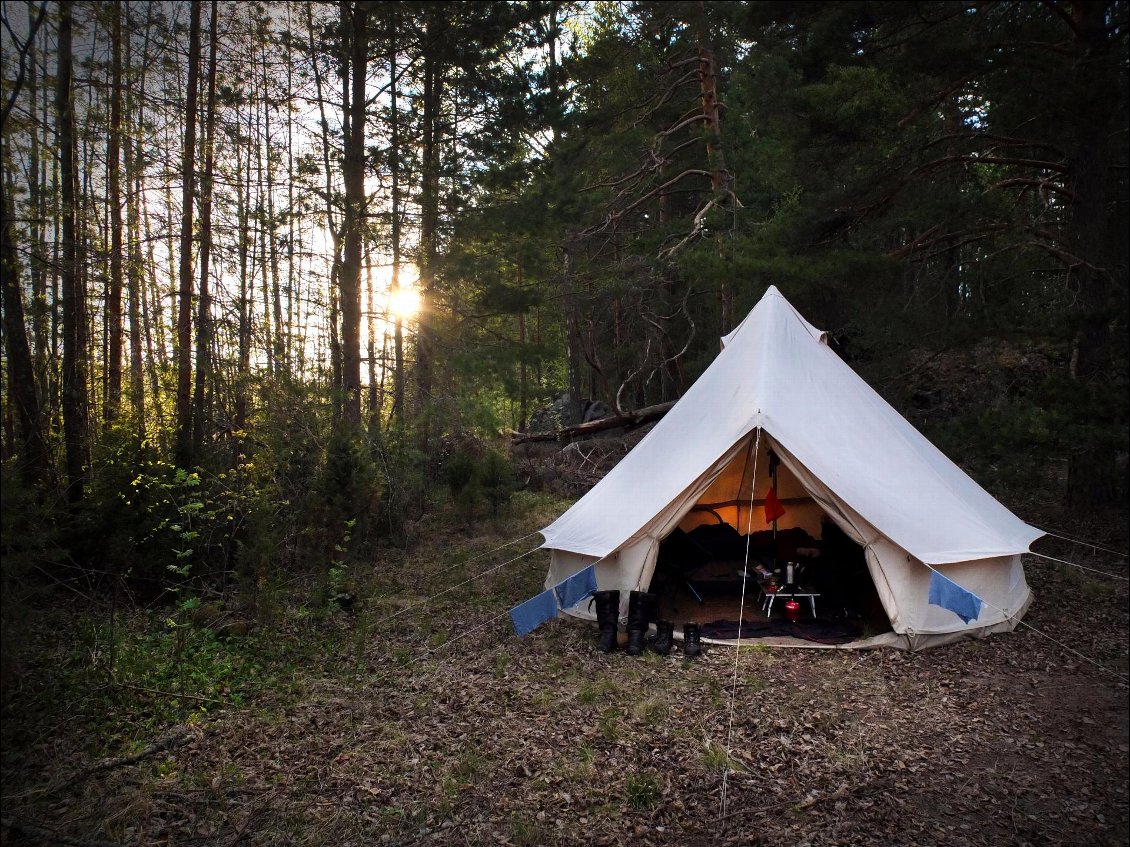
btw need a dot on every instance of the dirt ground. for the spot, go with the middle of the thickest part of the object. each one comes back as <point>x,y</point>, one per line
<point>442,728</point>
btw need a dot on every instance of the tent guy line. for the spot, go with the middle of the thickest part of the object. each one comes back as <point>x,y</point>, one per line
<point>722,801</point>
<point>1081,567</point>
<point>467,632</point>
<point>451,588</point>
<point>1121,677</point>
<point>1087,544</point>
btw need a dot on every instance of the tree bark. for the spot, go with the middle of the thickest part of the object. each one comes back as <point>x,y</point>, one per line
<point>243,306</point>
<point>354,20</point>
<point>38,266</point>
<point>275,339</point>
<point>21,376</point>
<point>394,163</point>
<point>629,420</point>
<point>374,420</point>
<point>114,196</point>
<point>134,164</point>
<point>429,213</point>
<point>1092,470</point>
<point>204,303</point>
<point>184,445</point>
<point>74,387</point>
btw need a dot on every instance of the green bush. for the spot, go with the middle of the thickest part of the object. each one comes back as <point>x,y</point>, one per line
<point>151,522</point>
<point>479,481</point>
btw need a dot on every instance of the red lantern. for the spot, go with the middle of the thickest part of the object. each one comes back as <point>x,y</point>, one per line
<point>792,610</point>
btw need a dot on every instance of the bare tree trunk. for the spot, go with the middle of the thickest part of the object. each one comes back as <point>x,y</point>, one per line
<point>568,281</point>
<point>133,282</point>
<point>394,163</point>
<point>135,163</point>
<point>429,214</point>
<point>204,304</point>
<point>354,21</point>
<point>374,422</point>
<point>37,168</point>
<point>243,342</point>
<point>719,176</point>
<point>75,396</point>
<point>335,232</point>
<point>573,344</point>
<point>114,192</point>
<point>21,377</point>
<point>1092,477</point>
<point>184,445</point>
<point>275,340</point>
<point>523,411</point>
<point>288,352</point>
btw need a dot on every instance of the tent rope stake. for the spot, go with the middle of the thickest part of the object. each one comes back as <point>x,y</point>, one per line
<point>738,641</point>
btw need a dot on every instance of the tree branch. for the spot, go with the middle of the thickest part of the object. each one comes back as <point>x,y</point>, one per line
<point>18,85</point>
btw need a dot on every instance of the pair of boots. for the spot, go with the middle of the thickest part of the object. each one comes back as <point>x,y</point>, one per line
<point>643,608</point>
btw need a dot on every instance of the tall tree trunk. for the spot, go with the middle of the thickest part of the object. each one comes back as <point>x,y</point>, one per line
<point>184,444</point>
<point>335,231</point>
<point>355,29</point>
<point>258,95</point>
<point>135,166</point>
<point>276,338</point>
<point>243,307</point>
<point>204,304</point>
<point>523,411</point>
<point>394,164</point>
<point>429,212</point>
<point>114,192</point>
<point>37,169</point>
<point>719,175</point>
<point>374,421</point>
<point>21,376</point>
<point>568,281</point>
<point>1092,476</point>
<point>75,391</point>
<point>288,353</point>
<point>133,283</point>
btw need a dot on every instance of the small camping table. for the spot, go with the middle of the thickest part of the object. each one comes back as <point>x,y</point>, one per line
<point>796,594</point>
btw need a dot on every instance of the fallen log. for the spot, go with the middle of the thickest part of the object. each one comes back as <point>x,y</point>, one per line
<point>632,419</point>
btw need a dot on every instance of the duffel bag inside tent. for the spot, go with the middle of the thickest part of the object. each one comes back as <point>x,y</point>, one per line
<point>848,464</point>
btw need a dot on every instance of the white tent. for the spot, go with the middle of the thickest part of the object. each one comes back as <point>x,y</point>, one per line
<point>849,456</point>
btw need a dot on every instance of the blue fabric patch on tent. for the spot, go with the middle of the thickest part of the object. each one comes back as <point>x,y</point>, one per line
<point>572,590</point>
<point>948,594</point>
<point>534,612</point>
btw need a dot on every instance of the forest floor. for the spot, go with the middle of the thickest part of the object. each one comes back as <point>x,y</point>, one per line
<point>440,727</point>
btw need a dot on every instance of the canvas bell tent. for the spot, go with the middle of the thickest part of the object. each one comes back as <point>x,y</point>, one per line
<point>849,466</point>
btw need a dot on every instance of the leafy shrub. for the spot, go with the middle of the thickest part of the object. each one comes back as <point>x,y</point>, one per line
<point>153,523</point>
<point>496,476</point>
<point>479,481</point>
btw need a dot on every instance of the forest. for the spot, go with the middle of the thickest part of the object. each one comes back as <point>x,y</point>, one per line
<point>288,288</point>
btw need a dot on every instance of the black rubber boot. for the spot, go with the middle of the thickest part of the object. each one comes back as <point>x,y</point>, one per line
<point>692,640</point>
<point>607,615</point>
<point>643,608</point>
<point>664,637</point>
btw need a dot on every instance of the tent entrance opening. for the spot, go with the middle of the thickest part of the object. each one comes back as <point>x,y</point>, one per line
<point>701,564</point>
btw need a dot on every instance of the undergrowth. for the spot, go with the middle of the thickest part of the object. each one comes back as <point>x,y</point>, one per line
<point>111,675</point>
